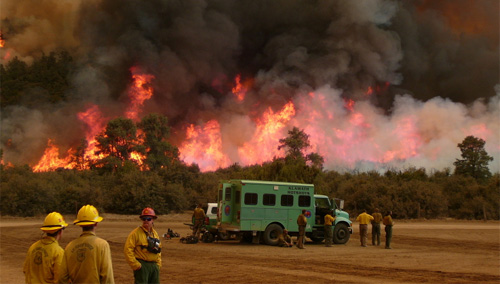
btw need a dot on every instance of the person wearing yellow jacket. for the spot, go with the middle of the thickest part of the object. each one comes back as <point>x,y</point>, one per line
<point>364,219</point>
<point>329,221</point>
<point>143,250</point>
<point>88,258</point>
<point>45,256</point>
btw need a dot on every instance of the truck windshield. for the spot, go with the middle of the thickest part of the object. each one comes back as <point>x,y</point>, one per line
<point>322,203</point>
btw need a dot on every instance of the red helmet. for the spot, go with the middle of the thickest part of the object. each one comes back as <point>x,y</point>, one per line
<point>148,212</point>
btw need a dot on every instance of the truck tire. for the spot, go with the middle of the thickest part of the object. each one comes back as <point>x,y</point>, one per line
<point>207,237</point>
<point>223,236</point>
<point>272,233</point>
<point>341,234</point>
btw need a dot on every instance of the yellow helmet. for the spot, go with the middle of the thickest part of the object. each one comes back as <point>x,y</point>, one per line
<point>88,215</point>
<point>53,223</point>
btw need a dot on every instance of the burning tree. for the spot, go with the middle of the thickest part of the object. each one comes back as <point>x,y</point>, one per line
<point>155,132</point>
<point>474,160</point>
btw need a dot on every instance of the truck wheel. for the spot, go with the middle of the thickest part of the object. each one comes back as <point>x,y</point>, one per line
<point>272,234</point>
<point>223,236</point>
<point>207,237</point>
<point>341,234</point>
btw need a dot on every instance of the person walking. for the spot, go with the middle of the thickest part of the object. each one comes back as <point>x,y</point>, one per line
<point>143,250</point>
<point>329,221</point>
<point>43,261</point>
<point>87,259</point>
<point>302,222</point>
<point>364,219</point>
<point>377,218</point>
<point>388,229</point>
<point>199,218</point>
<point>284,239</point>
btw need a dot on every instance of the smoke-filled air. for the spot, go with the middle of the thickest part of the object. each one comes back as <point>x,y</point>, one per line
<point>376,84</point>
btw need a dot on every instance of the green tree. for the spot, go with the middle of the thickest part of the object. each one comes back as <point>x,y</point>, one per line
<point>155,132</point>
<point>117,142</point>
<point>296,142</point>
<point>474,160</point>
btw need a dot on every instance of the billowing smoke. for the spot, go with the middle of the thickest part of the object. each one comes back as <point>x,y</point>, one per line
<point>375,83</point>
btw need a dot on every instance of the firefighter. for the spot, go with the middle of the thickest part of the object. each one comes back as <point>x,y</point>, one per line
<point>329,221</point>
<point>377,218</point>
<point>87,259</point>
<point>364,219</point>
<point>388,222</point>
<point>199,218</point>
<point>302,222</point>
<point>143,249</point>
<point>44,257</point>
<point>284,239</point>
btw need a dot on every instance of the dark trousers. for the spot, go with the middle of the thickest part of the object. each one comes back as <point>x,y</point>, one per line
<point>363,234</point>
<point>300,240</point>
<point>148,274</point>
<point>376,234</point>
<point>388,236</point>
<point>328,236</point>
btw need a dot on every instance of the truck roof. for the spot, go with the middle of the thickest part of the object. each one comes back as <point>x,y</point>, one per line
<point>245,181</point>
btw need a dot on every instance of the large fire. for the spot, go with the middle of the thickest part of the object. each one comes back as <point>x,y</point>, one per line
<point>341,130</point>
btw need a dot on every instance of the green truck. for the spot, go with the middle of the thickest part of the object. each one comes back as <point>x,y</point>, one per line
<point>258,211</point>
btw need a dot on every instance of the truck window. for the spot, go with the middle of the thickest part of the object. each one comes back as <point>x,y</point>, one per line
<point>228,194</point>
<point>304,200</point>
<point>269,199</point>
<point>287,200</point>
<point>250,198</point>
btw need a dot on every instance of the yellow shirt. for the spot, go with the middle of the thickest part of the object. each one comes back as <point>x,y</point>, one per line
<point>43,261</point>
<point>377,218</point>
<point>329,220</point>
<point>87,260</point>
<point>135,247</point>
<point>364,218</point>
<point>199,214</point>
<point>388,220</point>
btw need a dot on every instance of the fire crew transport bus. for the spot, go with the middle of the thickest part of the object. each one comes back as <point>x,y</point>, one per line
<point>260,210</point>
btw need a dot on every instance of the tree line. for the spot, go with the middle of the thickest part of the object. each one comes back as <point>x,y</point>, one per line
<point>117,184</point>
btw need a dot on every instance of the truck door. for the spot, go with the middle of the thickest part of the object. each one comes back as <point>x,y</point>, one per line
<point>229,204</point>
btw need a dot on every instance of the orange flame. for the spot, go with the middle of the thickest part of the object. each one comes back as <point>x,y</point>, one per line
<point>239,90</point>
<point>203,146</point>
<point>51,161</point>
<point>140,91</point>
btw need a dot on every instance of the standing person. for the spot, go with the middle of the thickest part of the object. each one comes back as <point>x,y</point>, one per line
<point>302,222</point>
<point>199,218</point>
<point>329,220</point>
<point>388,229</point>
<point>44,257</point>
<point>88,258</point>
<point>364,219</point>
<point>284,239</point>
<point>377,218</point>
<point>143,249</point>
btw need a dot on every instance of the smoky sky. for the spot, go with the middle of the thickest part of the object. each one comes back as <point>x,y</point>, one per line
<point>422,49</point>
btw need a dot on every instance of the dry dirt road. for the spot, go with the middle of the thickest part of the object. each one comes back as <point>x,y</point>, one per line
<point>445,251</point>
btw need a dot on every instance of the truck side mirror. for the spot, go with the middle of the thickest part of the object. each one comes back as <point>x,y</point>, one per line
<point>341,204</point>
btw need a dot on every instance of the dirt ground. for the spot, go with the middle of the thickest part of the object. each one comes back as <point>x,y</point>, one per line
<point>432,251</point>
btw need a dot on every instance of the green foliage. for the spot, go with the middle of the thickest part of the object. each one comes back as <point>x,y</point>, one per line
<point>159,152</point>
<point>474,160</point>
<point>117,142</point>
<point>45,81</point>
<point>296,142</point>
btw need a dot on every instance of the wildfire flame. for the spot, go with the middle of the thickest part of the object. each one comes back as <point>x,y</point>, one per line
<point>139,92</point>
